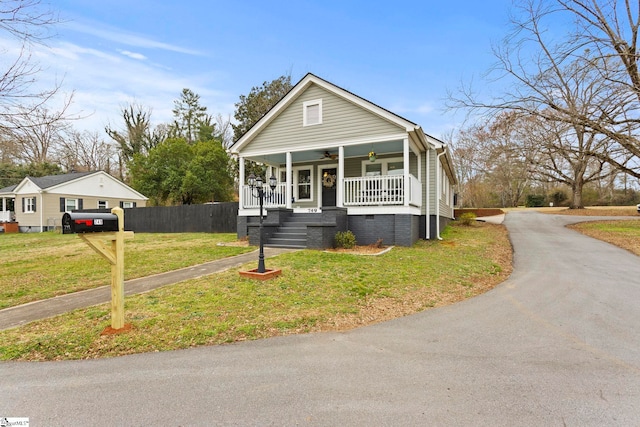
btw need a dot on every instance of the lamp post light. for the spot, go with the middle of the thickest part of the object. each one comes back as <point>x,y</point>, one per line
<point>257,184</point>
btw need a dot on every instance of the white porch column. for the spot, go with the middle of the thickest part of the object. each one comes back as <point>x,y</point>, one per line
<point>340,177</point>
<point>289,192</point>
<point>428,193</point>
<point>41,212</point>
<point>4,204</point>
<point>405,154</point>
<point>419,156</point>
<point>241,182</point>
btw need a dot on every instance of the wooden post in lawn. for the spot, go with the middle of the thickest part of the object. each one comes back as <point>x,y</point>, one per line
<point>117,273</point>
<point>114,254</point>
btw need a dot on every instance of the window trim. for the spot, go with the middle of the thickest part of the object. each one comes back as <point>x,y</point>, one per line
<point>296,183</point>
<point>305,115</point>
<point>66,204</point>
<point>385,165</point>
<point>29,205</point>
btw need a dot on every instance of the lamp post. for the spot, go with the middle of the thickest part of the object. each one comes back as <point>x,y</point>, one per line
<point>256,184</point>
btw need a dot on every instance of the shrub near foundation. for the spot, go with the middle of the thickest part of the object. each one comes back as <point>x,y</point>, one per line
<point>467,218</point>
<point>345,240</point>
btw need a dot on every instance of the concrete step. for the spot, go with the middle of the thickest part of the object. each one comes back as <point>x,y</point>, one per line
<point>285,246</point>
<point>293,228</point>
<point>286,235</point>
<point>287,242</point>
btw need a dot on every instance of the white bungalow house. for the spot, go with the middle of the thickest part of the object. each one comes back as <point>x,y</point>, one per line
<point>40,202</point>
<point>343,163</point>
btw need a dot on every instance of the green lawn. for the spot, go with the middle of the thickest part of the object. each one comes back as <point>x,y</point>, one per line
<point>317,291</point>
<point>42,265</point>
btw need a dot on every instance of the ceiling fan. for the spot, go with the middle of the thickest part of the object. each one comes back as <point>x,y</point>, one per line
<point>328,155</point>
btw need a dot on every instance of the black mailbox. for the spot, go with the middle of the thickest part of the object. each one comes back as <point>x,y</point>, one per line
<point>87,222</point>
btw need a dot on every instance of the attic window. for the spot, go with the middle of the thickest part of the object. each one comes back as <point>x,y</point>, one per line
<point>312,112</point>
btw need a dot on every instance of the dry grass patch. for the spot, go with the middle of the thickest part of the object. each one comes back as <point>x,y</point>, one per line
<point>594,211</point>
<point>624,234</point>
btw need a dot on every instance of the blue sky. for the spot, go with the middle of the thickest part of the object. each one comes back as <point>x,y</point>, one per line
<point>402,55</point>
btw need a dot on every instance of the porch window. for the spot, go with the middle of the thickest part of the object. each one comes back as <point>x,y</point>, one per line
<point>395,168</point>
<point>312,112</point>
<point>373,169</point>
<point>392,166</point>
<point>304,184</point>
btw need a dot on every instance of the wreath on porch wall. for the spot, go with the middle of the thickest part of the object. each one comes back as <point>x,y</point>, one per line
<point>328,180</point>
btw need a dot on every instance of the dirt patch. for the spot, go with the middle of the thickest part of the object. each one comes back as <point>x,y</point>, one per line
<point>110,331</point>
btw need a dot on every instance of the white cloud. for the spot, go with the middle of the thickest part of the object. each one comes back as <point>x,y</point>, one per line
<point>133,55</point>
<point>105,81</point>
<point>116,35</point>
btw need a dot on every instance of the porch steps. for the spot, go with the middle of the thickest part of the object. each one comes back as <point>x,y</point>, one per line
<point>292,233</point>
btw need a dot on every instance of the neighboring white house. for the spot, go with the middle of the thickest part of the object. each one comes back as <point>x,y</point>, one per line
<point>40,202</point>
<point>317,142</point>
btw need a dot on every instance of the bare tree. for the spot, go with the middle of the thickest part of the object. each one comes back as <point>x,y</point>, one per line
<point>28,23</point>
<point>224,131</point>
<point>87,151</point>
<point>558,152</point>
<point>136,137</point>
<point>491,163</point>
<point>573,90</point>
<point>37,132</point>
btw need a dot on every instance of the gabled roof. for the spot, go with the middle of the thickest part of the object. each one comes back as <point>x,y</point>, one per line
<point>8,189</point>
<point>301,86</point>
<point>45,182</point>
<point>50,182</point>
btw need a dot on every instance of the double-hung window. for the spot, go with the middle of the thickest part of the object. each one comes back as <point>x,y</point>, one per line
<point>29,204</point>
<point>70,205</point>
<point>304,184</point>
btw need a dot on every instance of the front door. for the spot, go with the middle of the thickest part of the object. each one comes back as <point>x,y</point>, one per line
<point>329,185</point>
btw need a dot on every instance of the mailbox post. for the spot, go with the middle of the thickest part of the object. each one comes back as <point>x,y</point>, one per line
<point>94,229</point>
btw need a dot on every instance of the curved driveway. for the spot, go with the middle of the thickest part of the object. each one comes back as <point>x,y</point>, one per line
<point>556,344</point>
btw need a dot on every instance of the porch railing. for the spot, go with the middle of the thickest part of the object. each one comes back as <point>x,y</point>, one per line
<point>272,199</point>
<point>359,191</point>
<point>5,216</point>
<point>381,190</point>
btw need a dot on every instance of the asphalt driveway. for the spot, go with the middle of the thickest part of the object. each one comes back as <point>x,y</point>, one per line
<point>556,344</point>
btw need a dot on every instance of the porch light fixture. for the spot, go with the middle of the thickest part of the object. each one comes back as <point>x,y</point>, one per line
<point>256,183</point>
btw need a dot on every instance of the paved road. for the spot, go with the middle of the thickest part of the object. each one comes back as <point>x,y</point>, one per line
<point>557,344</point>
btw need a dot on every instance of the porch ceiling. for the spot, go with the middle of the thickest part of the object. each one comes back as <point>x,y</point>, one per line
<point>317,154</point>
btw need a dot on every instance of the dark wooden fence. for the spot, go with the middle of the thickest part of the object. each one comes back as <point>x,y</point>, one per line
<point>209,218</point>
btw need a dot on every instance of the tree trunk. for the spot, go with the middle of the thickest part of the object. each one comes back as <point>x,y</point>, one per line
<point>576,197</point>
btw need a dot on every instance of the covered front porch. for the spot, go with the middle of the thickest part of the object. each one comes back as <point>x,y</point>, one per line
<point>339,176</point>
<point>7,206</point>
<point>319,192</point>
